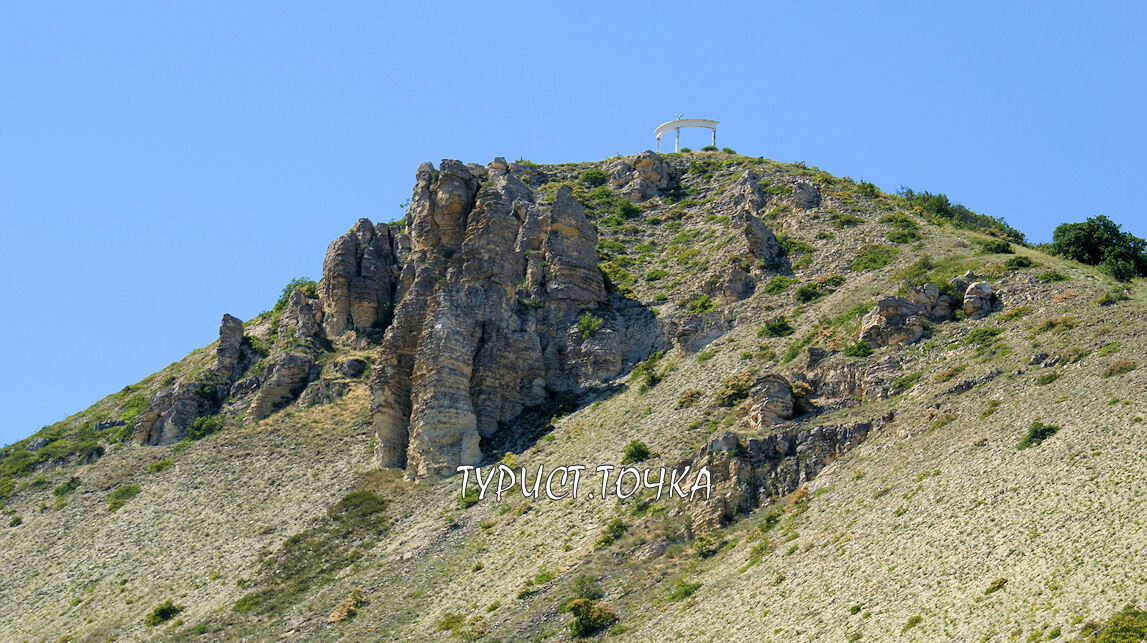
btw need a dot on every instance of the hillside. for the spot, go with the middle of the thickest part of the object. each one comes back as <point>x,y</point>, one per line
<point>918,428</point>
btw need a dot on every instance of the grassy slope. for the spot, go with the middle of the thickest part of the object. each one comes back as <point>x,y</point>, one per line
<point>918,521</point>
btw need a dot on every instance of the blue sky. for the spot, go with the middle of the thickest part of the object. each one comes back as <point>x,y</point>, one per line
<point>164,163</point>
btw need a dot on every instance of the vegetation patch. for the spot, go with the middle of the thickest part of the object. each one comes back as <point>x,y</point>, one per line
<point>162,613</point>
<point>588,324</point>
<point>859,349</point>
<point>1119,368</point>
<point>1113,296</point>
<point>734,389</point>
<point>778,284</point>
<point>873,257</point>
<point>121,496</point>
<point>635,451</point>
<point>68,487</point>
<point>1037,433</point>
<point>683,589</point>
<point>778,327</point>
<point>700,304</point>
<point>589,618</point>
<point>1099,241</point>
<point>315,555</point>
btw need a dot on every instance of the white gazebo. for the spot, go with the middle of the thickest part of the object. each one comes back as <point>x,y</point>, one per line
<point>684,122</point>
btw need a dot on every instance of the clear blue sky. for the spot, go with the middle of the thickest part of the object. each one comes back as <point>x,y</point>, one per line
<point>164,163</point>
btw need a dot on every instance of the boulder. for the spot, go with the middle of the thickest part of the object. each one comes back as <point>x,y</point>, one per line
<point>229,350</point>
<point>770,401</point>
<point>979,300</point>
<point>287,376</point>
<point>805,195</point>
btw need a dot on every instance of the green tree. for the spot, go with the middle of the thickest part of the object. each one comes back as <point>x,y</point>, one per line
<point>1100,242</point>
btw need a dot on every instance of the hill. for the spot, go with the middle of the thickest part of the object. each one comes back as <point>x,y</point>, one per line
<point>915,425</point>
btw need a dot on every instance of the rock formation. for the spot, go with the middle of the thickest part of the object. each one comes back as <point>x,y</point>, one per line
<point>486,321</point>
<point>359,274</point>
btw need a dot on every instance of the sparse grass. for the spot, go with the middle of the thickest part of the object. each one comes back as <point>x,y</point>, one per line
<point>1057,324</point>
<point>315,555</point>
<point>700,304</point>
<point>610,534</point>
<point>1015,313</point>
<point>1051,276</point>
<point>949,373</point>
<point>982,336</point>
<point>688,399</point>
<point>913,621</point>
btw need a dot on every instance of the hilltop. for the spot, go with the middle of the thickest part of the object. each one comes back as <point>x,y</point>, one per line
<point>918,426</point>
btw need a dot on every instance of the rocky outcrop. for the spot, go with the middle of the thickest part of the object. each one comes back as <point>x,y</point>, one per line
<point>744,201</point>
<point>172,410</point>
<point>840,377</point>
<point>749,472</point>
<point>230,347</point>
<point>805,195</point>
<point>486,323</point>
<point>643,179</point>
<point>360,271</point>
<point>286,377</point>
<point>894,320</point>
<point>770,401</point>
<point>300,320</point>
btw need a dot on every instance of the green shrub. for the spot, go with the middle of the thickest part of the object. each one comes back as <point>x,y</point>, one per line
<point>734,389</point>
<point>627,210</point>
<point>709,148</point>
<point>792,246</point>
<point>912,622</point>
<point>16,521</point>
<point>647,373</point>
<point>68,487</point>
<point>468,500</point>
<point>728,150</point>
<point>995,247</point>
<point>809,292</point>
<point>593,177</point>
<point>160,466</point>
<point>937,209</point>
<point>844,220</point>
<point>1057,324</point>
<point>904,236</point>
<point>162,613</point>
<point>1047,378</point>
<point>689,399</point>
<point>611,533</point>
<point>1119,368</point>
<point>589,618</point>
<point>1113,296</point>
<point>204,426</point>
<point>655,274</point>
<point>859,349</point>
<point>135,405</point>
<point>1018,262</point>
<point>686,150</point>
<point>873,257</point>
<point>588,324</point>
<point>705,356</point>
<point>864,188</point>
<point>778,284</point>
<point>778,327</point>
<point>1100,242</point>
<point>122,495</point>
<point>635,451</point>
<point>682,590</point>
<point>310,291</point>
<point>1125,626</point>
<point>1037,433</point>
<point>982,336</point>
<point>700,304</point>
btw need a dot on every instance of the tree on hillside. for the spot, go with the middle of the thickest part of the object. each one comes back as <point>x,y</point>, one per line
<point>1099,242</point>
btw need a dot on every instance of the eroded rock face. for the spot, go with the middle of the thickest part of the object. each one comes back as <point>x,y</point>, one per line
<point>770,401</point>
<point>486,323</point>
<point>746,200</point>
<point>287,376</point>
<point>360,272</point>
<point>748,472</point>
<point>840,377</point>
<point>229,349</point>
<point>805,195</point>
